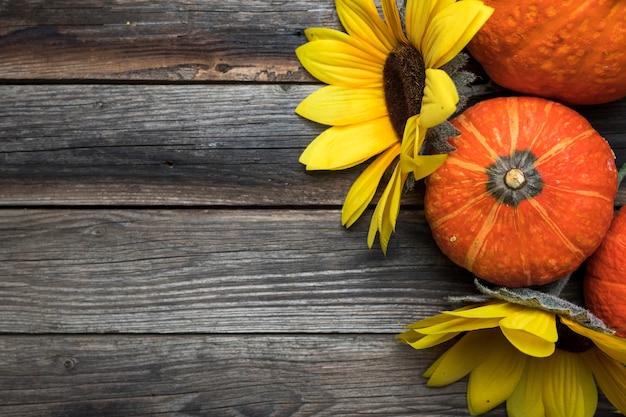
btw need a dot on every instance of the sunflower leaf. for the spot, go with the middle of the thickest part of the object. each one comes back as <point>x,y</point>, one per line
<point>547,302</point>
<point>455,64</point>
<point>437,137</point>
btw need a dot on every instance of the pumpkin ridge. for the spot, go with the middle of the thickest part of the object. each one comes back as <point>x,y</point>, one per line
<point>524,264</point>
<point>513,113</point>
<point>436,223</point>
<point>470,166</point>
<point>549,106</point>
<point>584,193</point>
<point>480,239</point>
<point>556,229</point>
<point>469,126</point>
<point>562,145</point>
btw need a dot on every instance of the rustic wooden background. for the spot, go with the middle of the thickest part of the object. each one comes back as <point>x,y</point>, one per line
<point>164,253</point>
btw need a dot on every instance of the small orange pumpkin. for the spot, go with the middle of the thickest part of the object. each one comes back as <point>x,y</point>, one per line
<point>571,51</point>
<point>605,277</point>
<point>526,196</point>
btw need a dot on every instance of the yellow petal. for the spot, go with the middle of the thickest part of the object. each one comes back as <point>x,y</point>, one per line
<point>440,98</point>
<point>440,5</point>
<point>423,165</point>
<point>569,389</point>
<point>531,331</point>
<point>364,188</point>
<point>421,341</point>
<point>494,309</point>
<point>459,360</point>
<point>326,34</point>
<point>430,321</point>
<point>613,346</point>
<point>341,147</point>
<point>411,134</point>
<point>418,14</point>
<point>451,30</point>
<point>339,106</point>
<point>459,325</point>
<point>361,20</point>
<point>410,160</point>
<point>526,401</point>
<point>610,376</point>
<point>386,212</point>
<point>340,63</point>
<point>392,19</point>
<point>494,379</point>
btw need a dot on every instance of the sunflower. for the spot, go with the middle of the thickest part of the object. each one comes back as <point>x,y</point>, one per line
<point>540,363</point>
<point>386,89</point>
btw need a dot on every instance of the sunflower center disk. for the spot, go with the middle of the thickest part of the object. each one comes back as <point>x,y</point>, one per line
<point>404,80</point>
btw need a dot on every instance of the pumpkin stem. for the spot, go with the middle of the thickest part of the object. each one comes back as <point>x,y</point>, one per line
<point>515,179</point>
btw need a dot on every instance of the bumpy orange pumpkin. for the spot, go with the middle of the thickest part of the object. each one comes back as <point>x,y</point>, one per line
<point>571,51</point>
<point>526,196</point>
<point>605,277</point>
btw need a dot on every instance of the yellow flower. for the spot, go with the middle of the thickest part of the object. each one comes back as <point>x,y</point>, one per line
<point>540,363</point>
<point>386,89</point>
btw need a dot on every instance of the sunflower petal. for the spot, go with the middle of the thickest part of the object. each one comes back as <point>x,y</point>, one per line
<point>327,34</point>
<point>495,309</point>
<point>362,21</point>
<point>339,106</point>
<point>459,325</point>
<point>417,19</point>
<point>392,19</point>
<point>340,63</point>
<point>423,165</point>
<point>531,331</point>
<point>364,188</point>
<point>341,147</point>
<point>440,98</point>
<point>386,213</point>
<point>459,360</point>
<point>430,321</point>
<point>494,379</point>
<point>411,136</point>
<point>451,29</point>
<point>610,376</point>
<point>613,346</point>
<point>422,341</point>
<point>525,401</point>
<point>568,386</point>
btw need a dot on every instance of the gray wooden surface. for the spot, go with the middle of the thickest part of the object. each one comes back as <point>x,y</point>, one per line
<point>164,253</point>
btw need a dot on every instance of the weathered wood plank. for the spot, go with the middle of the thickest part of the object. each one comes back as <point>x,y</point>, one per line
<point>185,40</point>
<point>219,271</point>
<point>179,145</point>
<point>220,376</point>
<point>252,375</point>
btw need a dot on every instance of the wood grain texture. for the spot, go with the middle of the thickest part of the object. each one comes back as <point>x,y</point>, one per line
<point>225,376</point>
<point>181,40</point>
<point>221,376</point>
<point>224,271</point>
<point>163,251</point>
<point>181,145</point>
<point>217,271</point>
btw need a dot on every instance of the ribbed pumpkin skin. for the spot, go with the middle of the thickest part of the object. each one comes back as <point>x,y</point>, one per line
<point>543,237</point>
<point>571,51</point>
<point>605,277</point>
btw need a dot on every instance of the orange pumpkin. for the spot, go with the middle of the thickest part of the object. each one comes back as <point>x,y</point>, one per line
<point>605,277</point>
<point>526,196</point>
<point>571,51</point>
